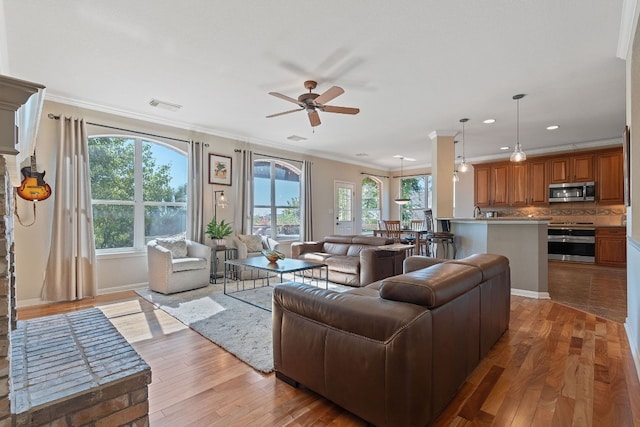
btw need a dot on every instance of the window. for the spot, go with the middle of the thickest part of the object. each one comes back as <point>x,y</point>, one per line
<point>418,190</point>
<point>138,191</point>
<point>276,200</point>
<point>370,203</point>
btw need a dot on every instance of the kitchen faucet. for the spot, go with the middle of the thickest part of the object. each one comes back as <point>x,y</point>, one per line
<point>476,212</point>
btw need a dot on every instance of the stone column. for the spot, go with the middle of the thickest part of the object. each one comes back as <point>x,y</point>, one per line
<point>7,291</point>
<point>442,166</point>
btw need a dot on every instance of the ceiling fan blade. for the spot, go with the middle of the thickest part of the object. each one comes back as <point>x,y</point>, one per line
<point>285,97</point>
<point>341,110</point>
<point>314,118</point>
<point>330,94</point>
<point>284,112</point>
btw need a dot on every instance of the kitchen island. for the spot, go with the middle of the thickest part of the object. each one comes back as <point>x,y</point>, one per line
<point>522,240</point>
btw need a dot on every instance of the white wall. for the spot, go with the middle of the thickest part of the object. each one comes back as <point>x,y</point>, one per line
<point>632,323</point>
<point>464,195</point>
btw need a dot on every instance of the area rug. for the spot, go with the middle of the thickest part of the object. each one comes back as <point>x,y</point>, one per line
<point>240,328</point>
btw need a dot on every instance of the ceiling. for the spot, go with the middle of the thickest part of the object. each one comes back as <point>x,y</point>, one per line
<point>412,67</point>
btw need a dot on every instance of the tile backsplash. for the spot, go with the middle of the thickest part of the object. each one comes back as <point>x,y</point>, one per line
<point>603,215</point>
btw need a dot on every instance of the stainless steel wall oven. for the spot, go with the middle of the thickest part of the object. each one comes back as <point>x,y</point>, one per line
<point>568,243</point>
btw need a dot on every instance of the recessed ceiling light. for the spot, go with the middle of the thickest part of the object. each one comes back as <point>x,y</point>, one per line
<point>296,138</point>
<point>489,121</point>
<point>164,105</point>
<point>552,127</point>
<point>505,148</point>
<point>362,155</point>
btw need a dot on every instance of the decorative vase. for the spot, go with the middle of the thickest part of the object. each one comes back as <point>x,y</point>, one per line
<point>272,256</point>
<point>220,243</point>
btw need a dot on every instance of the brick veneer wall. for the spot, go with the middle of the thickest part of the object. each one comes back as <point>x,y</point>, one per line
<point>7,291</point>
<point>76,369</point>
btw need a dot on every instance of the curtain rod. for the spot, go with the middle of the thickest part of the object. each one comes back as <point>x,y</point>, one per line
<point>373,174</point>
<point>271,157</point>
<point>54,117</point>
<point>411,176</point>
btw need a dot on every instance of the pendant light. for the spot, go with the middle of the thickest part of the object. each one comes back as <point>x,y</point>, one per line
<point>463,166</point>
<point>401,200</point>
<point>518,155</point>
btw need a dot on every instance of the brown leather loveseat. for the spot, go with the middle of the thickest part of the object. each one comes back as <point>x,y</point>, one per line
<point>351,260</point>
<point>397,351</point>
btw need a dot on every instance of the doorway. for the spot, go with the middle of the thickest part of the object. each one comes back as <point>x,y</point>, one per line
<point>344,195</point>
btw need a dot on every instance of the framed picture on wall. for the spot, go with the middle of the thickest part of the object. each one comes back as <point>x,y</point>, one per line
<point>219,169</point>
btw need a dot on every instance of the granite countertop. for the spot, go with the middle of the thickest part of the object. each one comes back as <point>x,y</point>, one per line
<point>538,219</point>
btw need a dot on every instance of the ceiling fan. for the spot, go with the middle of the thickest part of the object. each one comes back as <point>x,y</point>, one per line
<point>312,103</point>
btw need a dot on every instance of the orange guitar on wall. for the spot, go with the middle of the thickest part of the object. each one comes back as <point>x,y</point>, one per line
<point>33,186</point>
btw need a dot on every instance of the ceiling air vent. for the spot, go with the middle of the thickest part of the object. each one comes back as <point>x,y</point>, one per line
<point>164,105</point>
<point>296,138</point>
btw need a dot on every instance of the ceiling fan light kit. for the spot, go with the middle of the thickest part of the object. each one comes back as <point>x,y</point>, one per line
<point>313,102</point>
<point>518,154</point>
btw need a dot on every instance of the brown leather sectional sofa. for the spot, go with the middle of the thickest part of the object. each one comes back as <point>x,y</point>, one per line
<point>397,351</point>
<point>352,260</point>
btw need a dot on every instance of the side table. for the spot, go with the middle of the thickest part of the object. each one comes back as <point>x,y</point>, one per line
<point>229,253</point>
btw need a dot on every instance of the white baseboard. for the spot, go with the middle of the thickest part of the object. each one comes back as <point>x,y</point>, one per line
<point>112,290</point>
<point>29,302</point>
<point>530,294</point>
<point>123,288</point>
<point>633,345</point>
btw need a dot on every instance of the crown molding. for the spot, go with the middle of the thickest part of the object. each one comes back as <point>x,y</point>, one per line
<point>628,23</point>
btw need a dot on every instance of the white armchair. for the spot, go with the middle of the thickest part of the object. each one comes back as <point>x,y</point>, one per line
<point>250,246</point>
<point>174,269</point>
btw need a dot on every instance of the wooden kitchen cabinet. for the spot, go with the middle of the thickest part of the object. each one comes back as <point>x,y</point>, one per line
<point>609,178</point>
<point>611,246</point>
<point>491,185</point>
<point>574,168</point>
<point>528,183</point>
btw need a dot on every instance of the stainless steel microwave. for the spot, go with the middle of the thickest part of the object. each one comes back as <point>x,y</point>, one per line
<point>573,192</point>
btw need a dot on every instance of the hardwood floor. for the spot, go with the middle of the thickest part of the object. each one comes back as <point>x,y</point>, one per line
<point>555,366</point>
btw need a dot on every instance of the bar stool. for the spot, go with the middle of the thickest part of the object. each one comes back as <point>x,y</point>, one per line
<point>444,239</point>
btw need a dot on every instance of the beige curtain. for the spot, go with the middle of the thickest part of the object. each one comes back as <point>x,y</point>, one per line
<point>195,199</point>
<point>307,208</point>
<point>71,268</point>
<point>244,192</point>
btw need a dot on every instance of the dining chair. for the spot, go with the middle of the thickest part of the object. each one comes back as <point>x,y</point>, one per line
<point>393,230</point>
<point>435,238</point>
<point>418,225</point>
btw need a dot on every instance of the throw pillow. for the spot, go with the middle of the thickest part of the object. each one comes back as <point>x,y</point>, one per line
<point>177,245</point>
<point>254,243</point>
<point>266,243</point>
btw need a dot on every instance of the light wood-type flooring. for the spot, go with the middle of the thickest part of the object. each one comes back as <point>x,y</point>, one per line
<point>555,366</point>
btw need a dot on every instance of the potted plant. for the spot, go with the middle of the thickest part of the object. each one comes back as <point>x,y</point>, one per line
<point>218,231</point>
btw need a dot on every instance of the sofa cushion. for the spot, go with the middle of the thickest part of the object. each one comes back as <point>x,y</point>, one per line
<point>490,265</point>
<point>314,256</point>
<point>339,239</point>
<point>431,287</point>
<point>176,245</point>
<point>344,264</point>
<point>354,250</point>
<point>254,243</point>
<point>371,240</point>
<point>184,264</point>
<point>336,248</point>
